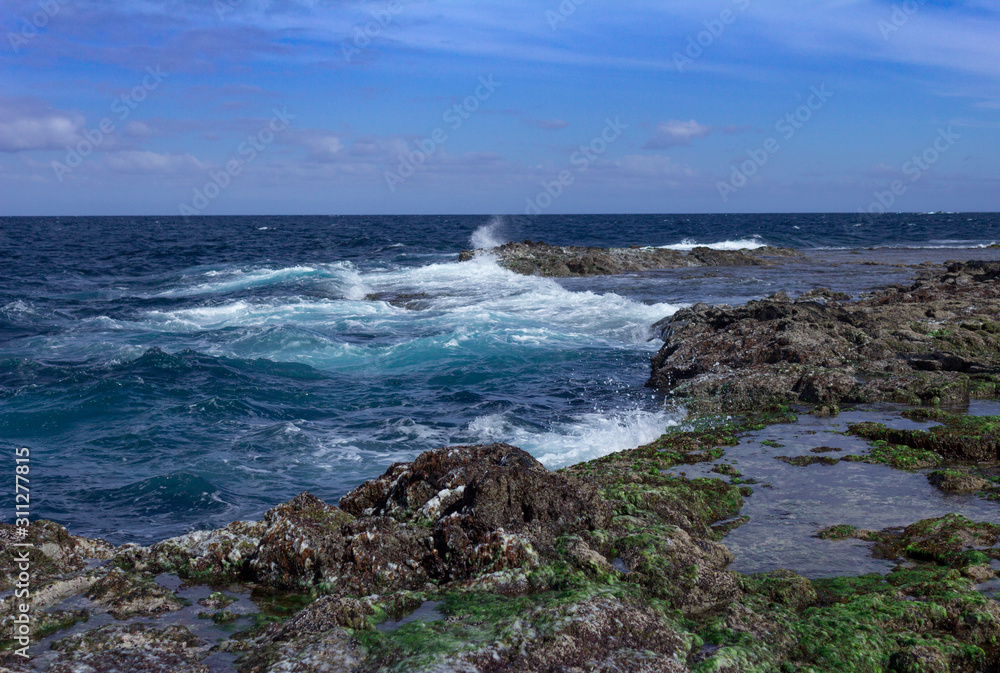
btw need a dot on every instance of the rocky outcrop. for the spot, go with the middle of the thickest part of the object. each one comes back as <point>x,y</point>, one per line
<point>610,565</point>
<point>935,340</point>
<point>541,259</point>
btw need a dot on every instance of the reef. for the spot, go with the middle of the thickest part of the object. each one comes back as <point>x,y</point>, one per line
<point>541,259</point>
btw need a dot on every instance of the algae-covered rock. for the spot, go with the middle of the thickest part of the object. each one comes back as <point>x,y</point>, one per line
<point>951,540</point>
<point>131,648</point>
<point>553,631</point>
<point>478,559</point>
<point>955,481</point>
<point>216,555</point>
<point>54,553</point>
<point>924,343</point>
<point>333,651</point>
<point>126,595</point>
<point>974,438</point>
<point>805,461</point>
<point>302,544</point>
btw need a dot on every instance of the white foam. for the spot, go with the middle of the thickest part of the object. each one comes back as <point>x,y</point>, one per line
<point>743,244</point>
<point>19,306</point>
<point>224,282</point>
<point>587,437</point>
<point>481,296</point>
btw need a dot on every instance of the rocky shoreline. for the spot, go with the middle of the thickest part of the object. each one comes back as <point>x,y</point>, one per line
<point>541,259</point>
<point>479,559</point>
<point>934,341</point>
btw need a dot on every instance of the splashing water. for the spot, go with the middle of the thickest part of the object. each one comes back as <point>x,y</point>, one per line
<point>490,235</point>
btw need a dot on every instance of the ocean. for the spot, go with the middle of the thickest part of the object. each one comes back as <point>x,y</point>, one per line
<point>171,374</point>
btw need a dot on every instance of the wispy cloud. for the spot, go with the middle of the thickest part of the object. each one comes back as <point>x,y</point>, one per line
<point>675,132</point>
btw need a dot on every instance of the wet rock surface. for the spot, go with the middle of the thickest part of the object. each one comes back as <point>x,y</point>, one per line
<point>936,340</point>
<point>541,259</point>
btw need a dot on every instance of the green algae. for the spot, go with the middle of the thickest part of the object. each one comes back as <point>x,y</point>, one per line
<point>841,532</point>
<point>961,437</point>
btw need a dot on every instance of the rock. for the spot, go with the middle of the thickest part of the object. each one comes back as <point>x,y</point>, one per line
<point>333,651</point>
<point>302,545</point>
<point>930,341</point>
<point>825,294</point>
<point>919,659</point>
<point>783,587</point>
<point>598,634</point>
<point>325,614</point>
<point>217,555</point>
<point>54,553</point>
<point>540,259</point>
<point>952,481</point>
<point>972,438</point>
<point>952,541</point>
<point>805,461</point>
<point>216,601</point>
<point>979,574</point>
<point>843,532</point>
<point>450,515</point>
<point>126,595</point>
<point>491,506</point>
<point>130,649</point>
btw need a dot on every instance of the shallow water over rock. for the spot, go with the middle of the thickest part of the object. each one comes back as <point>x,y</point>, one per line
<point>791,504</point>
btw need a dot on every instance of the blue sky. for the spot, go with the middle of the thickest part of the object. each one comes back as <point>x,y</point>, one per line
<point>459,106</point>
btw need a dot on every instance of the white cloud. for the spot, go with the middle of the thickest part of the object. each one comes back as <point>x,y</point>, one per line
<point>28,124</point>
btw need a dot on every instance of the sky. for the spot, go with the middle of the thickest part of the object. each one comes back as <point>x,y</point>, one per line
<point>216,107</point>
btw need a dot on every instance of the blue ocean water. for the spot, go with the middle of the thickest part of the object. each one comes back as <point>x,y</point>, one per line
<point>173,374</point>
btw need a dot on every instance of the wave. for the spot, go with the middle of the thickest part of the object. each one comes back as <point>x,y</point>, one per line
<point>589,436</point>
<point>742,244</point>
<point>458,301</point>
<point>344,277</point>
<point>173,493</point>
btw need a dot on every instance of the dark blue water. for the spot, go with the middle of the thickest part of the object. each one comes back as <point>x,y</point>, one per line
<point>171,374</point>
